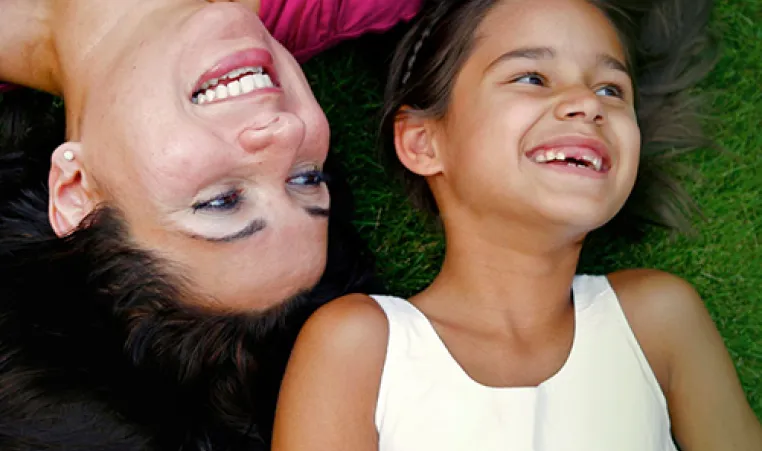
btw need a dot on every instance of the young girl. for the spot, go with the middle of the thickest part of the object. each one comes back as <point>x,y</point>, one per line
<point>521,123</point>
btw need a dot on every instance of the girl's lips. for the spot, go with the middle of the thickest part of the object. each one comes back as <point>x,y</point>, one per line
<point>254,57</point>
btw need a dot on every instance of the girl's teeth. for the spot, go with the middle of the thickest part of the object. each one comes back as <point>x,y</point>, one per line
<point>595,163</point>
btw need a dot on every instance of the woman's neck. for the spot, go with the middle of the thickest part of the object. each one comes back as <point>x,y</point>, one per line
<point>27,49</point>
<point>512,275</point>
<point>56,46</point>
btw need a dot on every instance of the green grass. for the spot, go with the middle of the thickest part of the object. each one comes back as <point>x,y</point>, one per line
<point>723,259</point>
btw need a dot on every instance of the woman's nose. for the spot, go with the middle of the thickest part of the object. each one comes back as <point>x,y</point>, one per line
<point>281,132</point>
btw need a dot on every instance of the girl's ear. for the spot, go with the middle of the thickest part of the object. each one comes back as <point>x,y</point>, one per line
<point>71,196</point>
<point>415,144</point>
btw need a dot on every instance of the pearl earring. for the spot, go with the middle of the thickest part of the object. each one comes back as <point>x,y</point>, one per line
<point>68,155</point>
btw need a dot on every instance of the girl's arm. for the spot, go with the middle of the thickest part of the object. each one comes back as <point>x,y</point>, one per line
<point>707,403</point>
<point>307,27</point>
<point>708,408</point>
<point>328,395</point>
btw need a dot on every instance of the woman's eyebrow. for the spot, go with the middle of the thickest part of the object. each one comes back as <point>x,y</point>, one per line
<point>255,226</point>
<point>318,212</point>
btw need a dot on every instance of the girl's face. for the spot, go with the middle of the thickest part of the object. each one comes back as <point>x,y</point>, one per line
<point>214,165</point>
<point>541,124</point>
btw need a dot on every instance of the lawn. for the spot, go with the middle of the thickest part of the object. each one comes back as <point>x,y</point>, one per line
<point>723,258</point>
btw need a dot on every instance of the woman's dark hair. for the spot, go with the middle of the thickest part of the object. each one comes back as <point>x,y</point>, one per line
<point>99,346</point>
<point>669,52</point>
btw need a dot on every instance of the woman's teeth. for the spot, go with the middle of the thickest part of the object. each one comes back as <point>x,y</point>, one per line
<point>233,84</point>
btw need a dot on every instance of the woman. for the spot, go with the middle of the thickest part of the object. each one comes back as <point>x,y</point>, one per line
<point>194,123</point>
<point>173,229</point>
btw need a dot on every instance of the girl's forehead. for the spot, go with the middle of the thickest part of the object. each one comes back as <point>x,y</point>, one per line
<point>548,23</point>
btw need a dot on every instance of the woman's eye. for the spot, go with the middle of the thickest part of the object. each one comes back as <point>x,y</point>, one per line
<point>224,202</point>
<point>610,91</point>
<point>309,178</point>
<point>531,78</point>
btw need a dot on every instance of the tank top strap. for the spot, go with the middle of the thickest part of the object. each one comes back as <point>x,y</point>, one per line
<point>410,332</point>
<point>412,343</point>
<point>588,289</point>
<point>597,302</point>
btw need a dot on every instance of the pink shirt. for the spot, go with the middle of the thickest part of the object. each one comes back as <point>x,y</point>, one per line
<point>307,27</point>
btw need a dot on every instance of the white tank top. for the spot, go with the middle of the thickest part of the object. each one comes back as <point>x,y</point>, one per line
<point>604,398</point>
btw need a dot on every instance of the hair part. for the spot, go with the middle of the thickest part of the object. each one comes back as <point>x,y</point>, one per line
<point>668,48</point>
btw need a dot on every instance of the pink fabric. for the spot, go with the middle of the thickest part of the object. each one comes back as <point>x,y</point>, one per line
<point>5,87</point>
<point>307,27</point>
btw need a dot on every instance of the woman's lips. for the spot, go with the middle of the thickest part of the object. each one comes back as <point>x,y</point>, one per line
<point>237,74</point>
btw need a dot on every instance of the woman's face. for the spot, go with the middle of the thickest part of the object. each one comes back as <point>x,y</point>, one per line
<point>204,132</point>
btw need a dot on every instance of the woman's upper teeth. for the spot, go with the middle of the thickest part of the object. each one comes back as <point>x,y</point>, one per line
<point>235,83</point>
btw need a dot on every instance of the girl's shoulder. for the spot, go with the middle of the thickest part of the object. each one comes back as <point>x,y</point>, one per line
<point>352,327</point>
<point>652,294</point>
<point>331,385</point>
<point>688,355</point>
<point>654,300</point>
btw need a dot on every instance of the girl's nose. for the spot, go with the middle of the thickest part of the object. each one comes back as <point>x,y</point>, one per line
<point>580,104</point>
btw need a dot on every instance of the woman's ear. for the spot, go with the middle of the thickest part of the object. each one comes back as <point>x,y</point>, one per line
<point>71,197</point>
<point>415,143</point>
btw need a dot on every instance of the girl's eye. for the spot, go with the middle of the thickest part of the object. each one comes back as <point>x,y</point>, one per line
<point>224,202</point>
<point>610,91</point>
<point>531,78</point>
<point>310,178</point>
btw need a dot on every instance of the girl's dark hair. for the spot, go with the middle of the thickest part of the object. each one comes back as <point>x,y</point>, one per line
<point>99,346</point>
<point>669,52</point>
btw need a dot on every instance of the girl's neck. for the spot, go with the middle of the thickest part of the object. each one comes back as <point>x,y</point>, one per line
<point>512,277</point>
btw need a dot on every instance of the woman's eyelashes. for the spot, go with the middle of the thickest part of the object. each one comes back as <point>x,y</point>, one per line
<point>227,202</point>
<point>230,201</point>
<point>314,177</point>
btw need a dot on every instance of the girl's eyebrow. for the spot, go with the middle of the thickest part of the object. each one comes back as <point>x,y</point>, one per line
<point>547,53</point>
<point>610,62</point>
<point>532,53</point>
